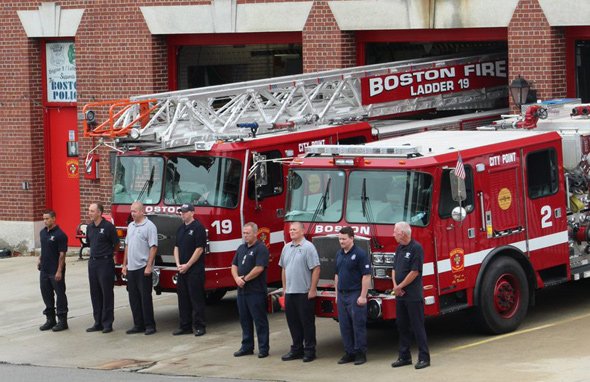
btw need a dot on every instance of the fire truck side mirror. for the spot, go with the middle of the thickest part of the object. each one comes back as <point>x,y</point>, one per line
<point>458,191</point>
<point>259,170</point>
<point>261,175</point>
<point>458,214</point>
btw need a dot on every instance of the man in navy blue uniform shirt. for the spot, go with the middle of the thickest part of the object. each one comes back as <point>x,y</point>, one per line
<point>249,272</point>
<point>409,297</point>
<point>352,280</point>
<point>52,273</point>
<point>103,240</point>
<point>189,254</point>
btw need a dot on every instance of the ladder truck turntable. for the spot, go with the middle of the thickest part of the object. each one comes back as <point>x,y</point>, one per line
<point>518,221</point>
<point>221,148</point>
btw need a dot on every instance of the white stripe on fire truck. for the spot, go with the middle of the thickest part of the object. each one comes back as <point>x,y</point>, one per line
<point>233,244</point>
<point>277,237</point>
<point>476,258</point>
<point>548,241</point>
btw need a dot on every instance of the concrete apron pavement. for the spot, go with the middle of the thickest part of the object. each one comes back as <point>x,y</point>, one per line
<point>526,356</point>
<point>209,355</point>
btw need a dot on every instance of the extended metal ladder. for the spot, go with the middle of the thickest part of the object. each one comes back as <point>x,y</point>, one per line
<point>199,117</point>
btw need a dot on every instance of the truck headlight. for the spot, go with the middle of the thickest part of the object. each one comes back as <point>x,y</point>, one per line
<point>388,258</point>
<point>378,258</point>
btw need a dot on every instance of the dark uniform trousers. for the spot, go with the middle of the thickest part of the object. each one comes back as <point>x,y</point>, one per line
<point>191,299</point>
<point>300,312</point>
<point>139,287</point>
<point>48,287</point>
<point>252,310</point>
<point>353,322</point>
<point>410,314</point>
<point>101,275</point>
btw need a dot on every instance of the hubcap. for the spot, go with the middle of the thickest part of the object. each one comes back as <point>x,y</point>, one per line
<point>506,295</point>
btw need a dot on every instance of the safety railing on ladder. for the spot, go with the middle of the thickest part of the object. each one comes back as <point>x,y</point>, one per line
<point>122,117</point>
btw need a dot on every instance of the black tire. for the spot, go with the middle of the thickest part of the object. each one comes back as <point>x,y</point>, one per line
<point>503,296</point>
<point>212,297</point>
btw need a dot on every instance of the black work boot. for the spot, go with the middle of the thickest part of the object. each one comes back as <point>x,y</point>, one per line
<point>62,323</point>
<point>49,323</point>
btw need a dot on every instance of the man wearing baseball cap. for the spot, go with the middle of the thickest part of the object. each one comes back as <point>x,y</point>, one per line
<point>189,254</point>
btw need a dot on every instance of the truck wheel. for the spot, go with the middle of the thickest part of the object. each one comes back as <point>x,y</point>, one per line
<point>212,297</point>
<point>503,296</point>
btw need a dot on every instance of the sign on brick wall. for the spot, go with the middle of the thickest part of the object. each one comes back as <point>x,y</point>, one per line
<point>61,71</point>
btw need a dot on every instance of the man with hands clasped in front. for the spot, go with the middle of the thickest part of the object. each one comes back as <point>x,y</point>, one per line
<point>409,297</point>
<point>249,272</point>
<point>352,281</point>
<point>189,254</point>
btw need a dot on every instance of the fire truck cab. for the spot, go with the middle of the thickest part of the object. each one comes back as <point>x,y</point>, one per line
<point>490,240</point>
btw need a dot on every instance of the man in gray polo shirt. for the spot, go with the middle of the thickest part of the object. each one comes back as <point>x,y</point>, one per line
<point>140,252</point>
<point>301,273</point>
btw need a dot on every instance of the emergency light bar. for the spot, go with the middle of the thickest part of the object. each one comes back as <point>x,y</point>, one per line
<point>404,150</point>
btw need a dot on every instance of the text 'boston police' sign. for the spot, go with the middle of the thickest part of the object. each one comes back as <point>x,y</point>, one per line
<point>61,72</point>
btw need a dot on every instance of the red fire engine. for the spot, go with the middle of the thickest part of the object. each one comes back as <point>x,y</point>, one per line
<point>518,220</point>
<point>221,147</point>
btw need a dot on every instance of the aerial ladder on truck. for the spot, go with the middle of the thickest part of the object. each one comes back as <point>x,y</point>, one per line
<point>220,147</point>
<point>183,118</point>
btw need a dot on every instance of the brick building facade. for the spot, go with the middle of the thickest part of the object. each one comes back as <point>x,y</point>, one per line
<point>129,47</point>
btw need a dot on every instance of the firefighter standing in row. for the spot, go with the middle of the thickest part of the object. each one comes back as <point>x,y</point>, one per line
<point>102,239</point>
<point>249,272</point>
<point>300,274</point>
<point>141,245</point>
<point>52,273</point>
<point>409,296</point>
<point>189,254</point>
<point>352,281</point>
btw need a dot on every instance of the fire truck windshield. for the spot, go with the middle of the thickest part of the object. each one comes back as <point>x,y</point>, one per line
<point>393,196</point>
<point>138,178</point>
<point>315,195</point>
<point>202,181</point>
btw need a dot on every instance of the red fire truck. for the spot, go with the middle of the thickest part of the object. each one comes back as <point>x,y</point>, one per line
<point>221,147</point>
<point>518,220</point>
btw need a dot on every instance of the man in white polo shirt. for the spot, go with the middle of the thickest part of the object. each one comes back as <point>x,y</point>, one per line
<point>140,253</point>
<point>301,273</point>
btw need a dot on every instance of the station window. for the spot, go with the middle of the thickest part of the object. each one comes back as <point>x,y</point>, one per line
<point>200,66</point>
<point>381,52</point>
<point>542,173</point>
<point>446,203</point>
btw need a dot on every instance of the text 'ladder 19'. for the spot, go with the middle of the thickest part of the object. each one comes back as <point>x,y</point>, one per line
<point>185,118</point>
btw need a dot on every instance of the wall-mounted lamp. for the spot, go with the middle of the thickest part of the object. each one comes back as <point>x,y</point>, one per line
<point>519,90</point>
<point>90,117</point>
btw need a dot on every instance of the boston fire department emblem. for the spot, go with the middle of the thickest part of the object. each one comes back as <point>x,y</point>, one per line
<point>72,168</point>
<point>264,236</point>
<point>457,256</point>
